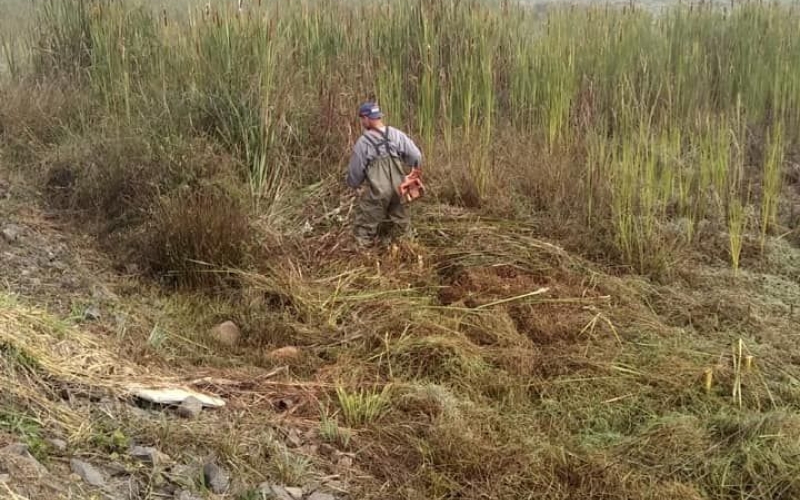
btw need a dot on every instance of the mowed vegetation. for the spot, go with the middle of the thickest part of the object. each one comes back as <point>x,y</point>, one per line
<point>640,358</point>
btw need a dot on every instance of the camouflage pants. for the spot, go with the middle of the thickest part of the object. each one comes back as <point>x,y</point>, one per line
<point>380,211</point>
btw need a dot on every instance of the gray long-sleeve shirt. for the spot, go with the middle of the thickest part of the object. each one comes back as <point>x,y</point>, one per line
<point>364,152</point>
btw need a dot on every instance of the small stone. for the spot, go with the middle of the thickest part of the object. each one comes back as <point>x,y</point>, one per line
<point>226,333</point>
<point>92,313</point>
<point>11,232</point>
<point>117,469</point>
<point>149,455</point>
<point>317,495</point>
<point>296,493</point>
<point>186,495</point>
<point>284,354</point>
<point>16,449</point>
<point>58,444</point>
<point>275,492</point>
<point>87,472</point>
<point>216,479</point>
<point>190,408</point>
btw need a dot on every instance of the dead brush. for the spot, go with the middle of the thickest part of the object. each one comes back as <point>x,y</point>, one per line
<point>193,235</point>
<point>35,116</point>
<point>435,358</point>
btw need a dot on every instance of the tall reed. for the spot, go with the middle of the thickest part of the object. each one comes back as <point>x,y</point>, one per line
<point>647,106</point>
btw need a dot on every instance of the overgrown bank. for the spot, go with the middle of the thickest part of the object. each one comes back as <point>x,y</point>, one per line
<point>654,134</point>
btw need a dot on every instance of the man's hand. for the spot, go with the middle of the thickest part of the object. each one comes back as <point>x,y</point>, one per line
<point>416,173</point>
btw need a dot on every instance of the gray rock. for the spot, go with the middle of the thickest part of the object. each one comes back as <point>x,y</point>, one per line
<point>58,444</point>
<point>11,232</point>
<point>284,354</point>
<point>87,472</point>
<point>117,469</point>
<point>16,449</point>
<point>276,492</point>
<point>186,495</point>
<point>318,495</point>
<point>190,408</point>
<point>149,455</point>
<point>21,450</point>
<point>216,478</point>
<point>92,313</point>
<point>296,493</point>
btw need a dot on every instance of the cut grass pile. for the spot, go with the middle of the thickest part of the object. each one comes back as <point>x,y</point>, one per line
<point>589,389</point>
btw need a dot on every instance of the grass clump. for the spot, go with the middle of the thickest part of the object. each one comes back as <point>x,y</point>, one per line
<point>331,432</point>
<point>194,235</point>
<point>363,407</point>
<point>26,427</point>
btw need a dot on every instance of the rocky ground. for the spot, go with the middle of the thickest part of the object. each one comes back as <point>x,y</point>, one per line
<point>56,280</point>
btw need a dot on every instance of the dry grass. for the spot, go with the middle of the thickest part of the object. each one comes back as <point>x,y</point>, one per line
<point>195,233</point>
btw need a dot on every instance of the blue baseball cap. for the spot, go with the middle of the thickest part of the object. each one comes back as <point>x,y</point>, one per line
<point>370,110</point>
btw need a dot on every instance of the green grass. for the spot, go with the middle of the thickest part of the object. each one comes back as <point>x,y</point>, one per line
<point>364,406</point>
<point>26,427</point>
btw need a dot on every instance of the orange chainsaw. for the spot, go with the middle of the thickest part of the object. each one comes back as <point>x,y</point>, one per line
<point>412,187</point>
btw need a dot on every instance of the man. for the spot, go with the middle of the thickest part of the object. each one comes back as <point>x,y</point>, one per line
<point>377,159</point>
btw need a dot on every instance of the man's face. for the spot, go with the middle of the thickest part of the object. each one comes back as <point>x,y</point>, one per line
<point>364,121</point>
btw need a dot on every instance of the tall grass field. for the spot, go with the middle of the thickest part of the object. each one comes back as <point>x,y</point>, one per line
<point>620,120</point>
